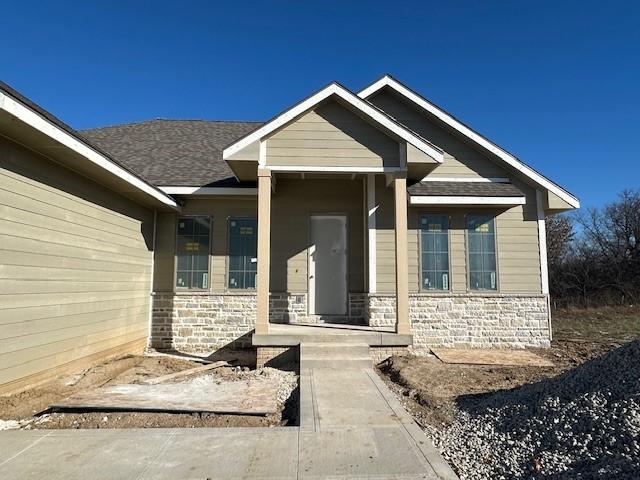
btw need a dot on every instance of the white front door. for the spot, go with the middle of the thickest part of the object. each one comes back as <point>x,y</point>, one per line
<point>328,265</point>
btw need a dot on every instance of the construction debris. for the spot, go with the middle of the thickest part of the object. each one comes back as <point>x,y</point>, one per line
<point>185,373</point>
<point>211,396</point>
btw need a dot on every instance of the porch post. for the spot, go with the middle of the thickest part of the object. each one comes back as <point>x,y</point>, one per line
<point>264,250</point>
<point>402,259</point>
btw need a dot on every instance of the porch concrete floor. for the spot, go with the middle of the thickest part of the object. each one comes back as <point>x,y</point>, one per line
<point>283,335</point>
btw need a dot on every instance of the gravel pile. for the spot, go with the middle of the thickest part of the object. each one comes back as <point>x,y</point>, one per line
<point>584,423</point>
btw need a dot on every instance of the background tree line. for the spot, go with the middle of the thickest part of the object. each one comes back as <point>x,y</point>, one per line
<point>594,255</point>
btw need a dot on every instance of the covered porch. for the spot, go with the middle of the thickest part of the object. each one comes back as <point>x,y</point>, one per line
<point>316,254</point>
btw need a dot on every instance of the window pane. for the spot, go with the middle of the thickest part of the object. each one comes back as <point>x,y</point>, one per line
<point>482,248</point>
<point>441,243</point>
<point>192,246</point>
<point>434,243</point>
<point>442,261</point>
<point>429,280</point>
<point>475,262</point>
<point>475,280</point>
<point>242,252</point>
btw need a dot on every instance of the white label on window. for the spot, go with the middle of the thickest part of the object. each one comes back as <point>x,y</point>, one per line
<point>233,223</point>
<point>445,281</point>
<point>254,260</point>
<point>205,278</point>
<point>493,279</point>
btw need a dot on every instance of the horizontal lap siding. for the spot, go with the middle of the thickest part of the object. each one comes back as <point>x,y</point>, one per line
<point>517,229</point>
<point>385,237</point>
<point>460,159</point>
<point>293,202</point>
<point>219,210</point>
<point>332,136</point>
<point>75,266</point>
<point>518,246</point>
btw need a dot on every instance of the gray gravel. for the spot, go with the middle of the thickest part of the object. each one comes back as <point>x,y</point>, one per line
<point>584,423</point>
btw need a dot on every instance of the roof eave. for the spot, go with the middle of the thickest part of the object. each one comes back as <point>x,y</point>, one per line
<point>30,118</point>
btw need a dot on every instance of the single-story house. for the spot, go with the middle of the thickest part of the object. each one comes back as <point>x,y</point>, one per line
<point>376,208</point>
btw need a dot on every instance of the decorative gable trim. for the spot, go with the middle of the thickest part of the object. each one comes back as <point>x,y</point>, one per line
<point>365,108</point>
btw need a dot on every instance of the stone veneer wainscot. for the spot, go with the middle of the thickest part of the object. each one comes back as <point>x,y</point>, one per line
<point>204,322</point>
<point>469,320</point>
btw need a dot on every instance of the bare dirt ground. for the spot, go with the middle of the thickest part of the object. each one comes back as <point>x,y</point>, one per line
<point>29,407</point>
<point>430,388</point>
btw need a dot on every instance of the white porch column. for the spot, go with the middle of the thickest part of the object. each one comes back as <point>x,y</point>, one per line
<point>402,258</point>
<point>264,249</point>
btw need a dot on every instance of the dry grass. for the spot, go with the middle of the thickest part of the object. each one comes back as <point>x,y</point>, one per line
<point>603,324</point>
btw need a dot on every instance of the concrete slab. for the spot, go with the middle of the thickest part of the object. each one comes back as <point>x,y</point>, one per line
<point>379,452</point>
<point>155,454</point>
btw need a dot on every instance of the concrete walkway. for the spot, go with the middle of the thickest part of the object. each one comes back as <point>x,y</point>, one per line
<point>351,427</point>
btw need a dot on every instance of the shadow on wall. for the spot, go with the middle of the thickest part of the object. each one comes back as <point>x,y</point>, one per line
<point>293,202</point>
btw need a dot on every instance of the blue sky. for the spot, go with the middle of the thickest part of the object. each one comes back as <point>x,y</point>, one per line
<point>556,83</point>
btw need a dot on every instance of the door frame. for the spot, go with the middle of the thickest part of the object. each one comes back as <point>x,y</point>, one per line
<point>310,293</point>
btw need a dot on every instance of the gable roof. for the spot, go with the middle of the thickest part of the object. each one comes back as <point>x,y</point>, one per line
<point>174,152</point>
<point>36,117</point>
<point>367,109</point>
<point>539,179</point>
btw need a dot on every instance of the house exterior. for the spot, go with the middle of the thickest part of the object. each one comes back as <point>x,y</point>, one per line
<point>375,208</point>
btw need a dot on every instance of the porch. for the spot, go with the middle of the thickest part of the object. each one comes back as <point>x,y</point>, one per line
<point>317,256</point>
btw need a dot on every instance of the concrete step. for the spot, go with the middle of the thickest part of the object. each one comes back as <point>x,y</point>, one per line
<point>334,349</point>
<point>340,363</point>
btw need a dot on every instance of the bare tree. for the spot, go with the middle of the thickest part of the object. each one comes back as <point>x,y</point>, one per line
<point>602,263</point>
<point>560,234</point>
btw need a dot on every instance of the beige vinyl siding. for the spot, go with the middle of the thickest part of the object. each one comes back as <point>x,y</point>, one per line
<point>293,202</point>
<point>333,136</point>
<point>75,266</point>
<point>385,238</point>
<point>219,209</point>
<point>461,160</point>
<point>518,247</point>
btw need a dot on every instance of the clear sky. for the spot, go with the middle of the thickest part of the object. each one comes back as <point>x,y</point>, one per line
<point>556,83</point>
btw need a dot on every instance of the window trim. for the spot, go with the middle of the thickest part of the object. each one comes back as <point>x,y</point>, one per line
<point>227,255</point>
<point>482,291</point>
<point>177,289</point>
<point>419,229</point>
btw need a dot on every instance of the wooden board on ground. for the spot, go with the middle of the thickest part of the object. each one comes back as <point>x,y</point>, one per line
<point>476,356</point>
<point>239,397</point>
<point>184,373</point>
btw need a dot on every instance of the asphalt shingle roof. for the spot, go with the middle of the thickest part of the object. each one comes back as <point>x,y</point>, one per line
<point>465,189</point>
<point>174,152</point>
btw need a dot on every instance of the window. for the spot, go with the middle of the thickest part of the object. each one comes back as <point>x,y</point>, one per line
<point>482,252</point>
<point>434,238</point>
<point>242,252</point>
<point>193,252</point>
